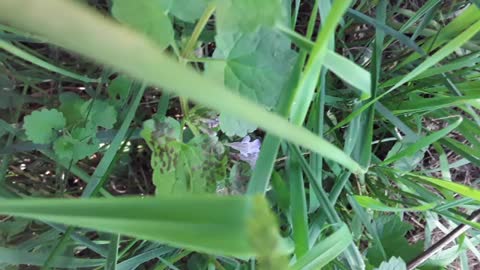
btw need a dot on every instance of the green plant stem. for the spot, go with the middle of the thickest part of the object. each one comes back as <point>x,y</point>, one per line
<point>189,47</point>
<point>202,22</point>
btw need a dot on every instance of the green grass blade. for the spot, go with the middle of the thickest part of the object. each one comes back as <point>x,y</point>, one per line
<point>352,253</point>
<point>112,257</point>
<point>349,72</point>
<point>137,260</point>
<point>422,143</point>
<point>119,47</point>
<point>18,257</point>
<point>325,251</point>
<point>344,68</point>
<point>374,204</point>
<point>298,208</point>
<point>468,17</point>
<point>99,175</point>
<point>310,76</point>
<point>462,150</point>
<point>366,219</point>
<point>388,30</point>
<point>463,190</point>
<point>235,226</point>
<point>41,63</point>
<point>450,47</point>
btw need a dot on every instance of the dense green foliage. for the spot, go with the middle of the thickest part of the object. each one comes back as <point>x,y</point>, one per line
<point>268,134</point>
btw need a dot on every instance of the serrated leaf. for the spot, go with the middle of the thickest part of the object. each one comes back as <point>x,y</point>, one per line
<point>248,15</point>
<point>146,16</point>
<point>188,10</point>
<point>119,88</point>
<point>99,114</point>
<point>256,65</point>
<point>42,126</point>
<point>392,233</point>
<point>393,264</point>
<point>70,106</point>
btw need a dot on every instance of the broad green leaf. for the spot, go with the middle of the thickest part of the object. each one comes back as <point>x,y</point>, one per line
<point>146,16</point>
<point>119,88</point>
<point>193,167</point>
<point>248,15</point>
<point>234,226</point>
<point>463,190</point>
<point>188,10</point>
<point>422,143</point>
<point>325,251</point>
<point>256,66</point>
<point>71,107</point>
<point>42,126</point>
<point>98,113</point>
<point>77,146</point>
<point>392,233</point>
<point>371,203</point>
<point>118,47</point>
<point>393,264</point>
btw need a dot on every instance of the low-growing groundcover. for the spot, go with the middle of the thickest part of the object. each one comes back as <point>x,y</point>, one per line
<point>239,134</point>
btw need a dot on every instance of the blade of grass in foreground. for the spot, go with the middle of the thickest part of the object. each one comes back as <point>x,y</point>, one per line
<point>81,30</point>
<point>234,226</point>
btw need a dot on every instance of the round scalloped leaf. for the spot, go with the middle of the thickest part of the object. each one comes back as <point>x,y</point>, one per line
<point>42,126</point>
<point>69,148</point>
<point>147,17</point>
<point>119,88</point>
<point>71,105</point>
<point>248,15</point>
<point>99,114</point>
<point>188,10</point>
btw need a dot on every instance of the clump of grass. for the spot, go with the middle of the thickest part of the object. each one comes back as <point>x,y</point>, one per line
<point>271,134</point>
